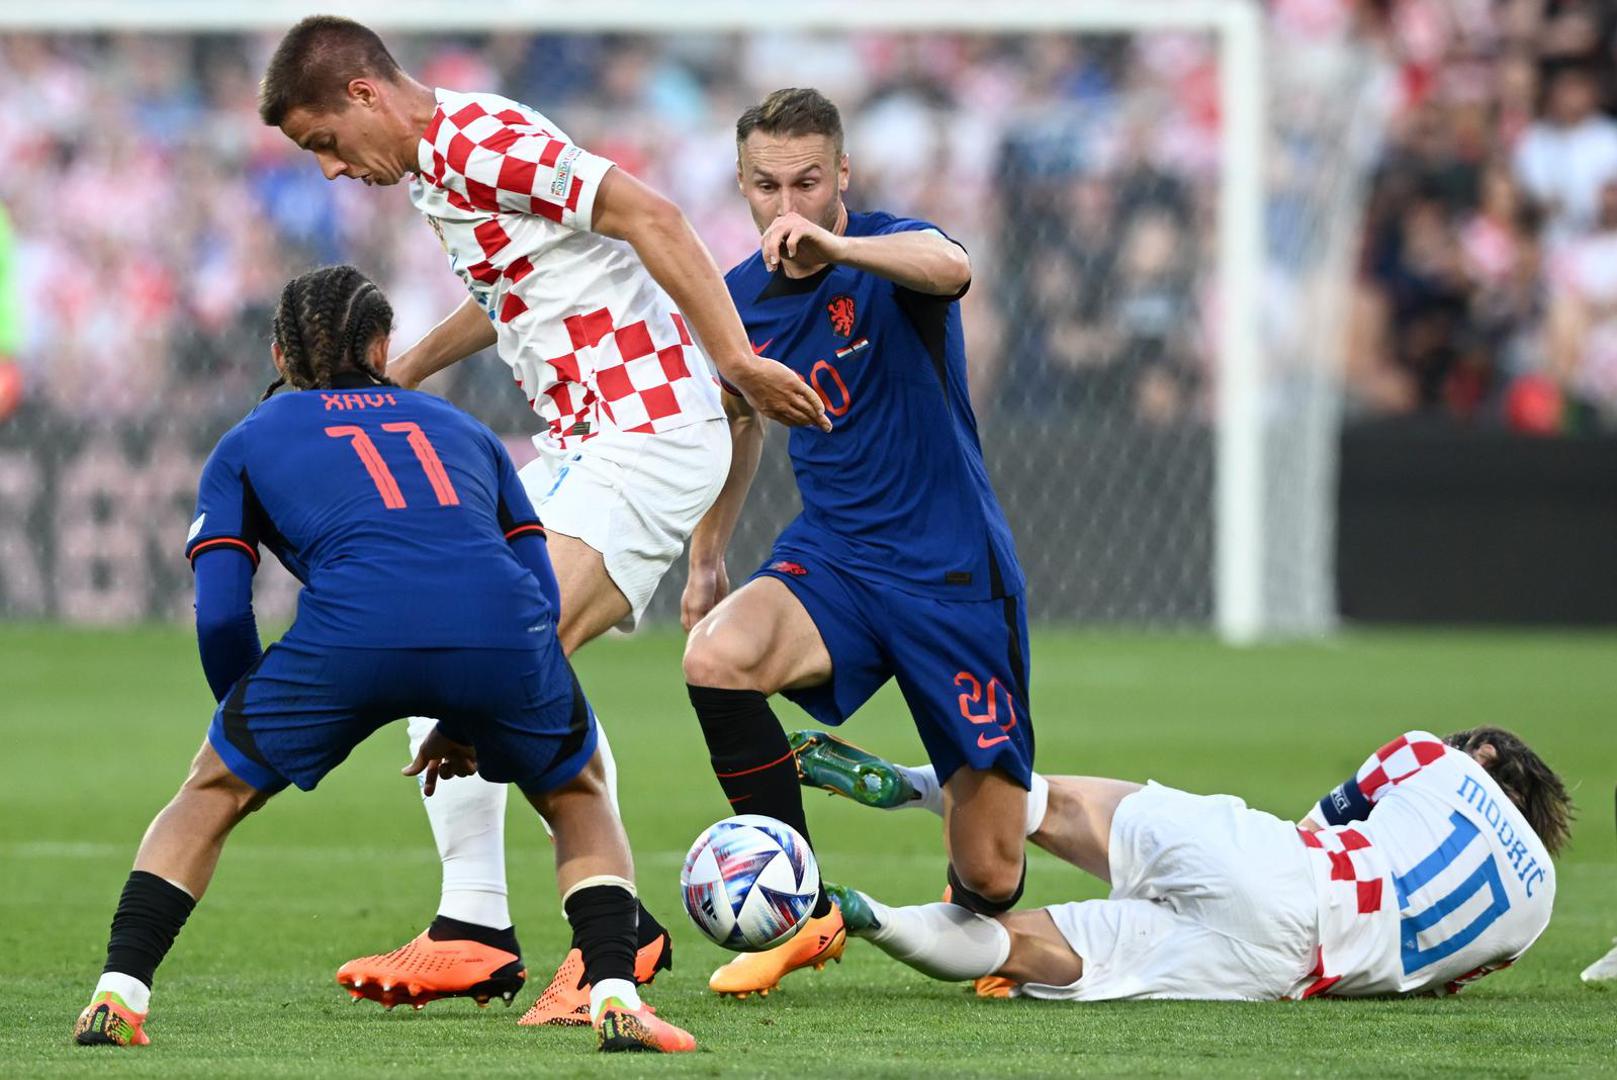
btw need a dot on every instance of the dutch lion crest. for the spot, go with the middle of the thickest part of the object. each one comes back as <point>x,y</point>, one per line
<point>841,311</point>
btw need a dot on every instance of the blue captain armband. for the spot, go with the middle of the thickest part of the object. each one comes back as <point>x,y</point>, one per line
<point>1344,803</point>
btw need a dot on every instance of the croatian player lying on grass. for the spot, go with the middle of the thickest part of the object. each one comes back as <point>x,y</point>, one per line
<point>427,589</point>
<point>1428,869</point>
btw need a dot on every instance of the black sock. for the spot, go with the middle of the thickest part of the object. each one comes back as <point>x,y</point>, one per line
<point>604,919</point>
<point>444,928</point>
<point>149,916</point>
<point>752,759</point>
<point>647,932</point>
<point>649,928</point>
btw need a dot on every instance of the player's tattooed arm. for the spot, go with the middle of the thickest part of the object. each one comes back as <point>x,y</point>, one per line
<point>708,581</point>
<point>923,260</point>
<point>676,258</point>
<point>467,330</point>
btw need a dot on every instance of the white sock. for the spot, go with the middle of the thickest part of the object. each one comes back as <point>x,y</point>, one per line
<point>1038,801</point>
<point>468,823</point>
<point>622,989</point>
<point>929,795</point>
<point>610,763</point>
<point>944,941</point>
<point>134,993</point>
<point>928,792</point>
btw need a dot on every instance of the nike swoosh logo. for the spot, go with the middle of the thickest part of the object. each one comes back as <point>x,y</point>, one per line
<point>984,742</point>
<point>758,350</point>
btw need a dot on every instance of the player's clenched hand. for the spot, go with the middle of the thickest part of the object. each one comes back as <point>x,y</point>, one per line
<point>794,238</point>
<point>402,370</point>
<point>705,587</point>
<point>776,391</point>
<point>441,758</point>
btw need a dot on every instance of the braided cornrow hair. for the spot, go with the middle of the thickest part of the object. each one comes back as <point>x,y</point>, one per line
<point>324,323</point>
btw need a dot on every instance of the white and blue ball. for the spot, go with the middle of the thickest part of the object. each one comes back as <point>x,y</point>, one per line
<point>749,882</point>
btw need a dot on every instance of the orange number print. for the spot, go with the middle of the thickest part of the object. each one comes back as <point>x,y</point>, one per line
<point>975,696</point>
<point>382,476</point>
<point>386,486</point>
<point>430,464</point>
<point>836,380</point>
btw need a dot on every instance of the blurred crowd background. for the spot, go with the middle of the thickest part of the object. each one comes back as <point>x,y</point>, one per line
<point>158,218</point>
<point>148,221</point>
<point>155,218</point>
<point>1488,289</point>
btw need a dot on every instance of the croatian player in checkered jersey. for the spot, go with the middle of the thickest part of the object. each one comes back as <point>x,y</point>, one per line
<point>600,297</point>
<point>1428,869</point>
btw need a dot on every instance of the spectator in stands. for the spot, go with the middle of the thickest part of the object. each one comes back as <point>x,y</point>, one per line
<point>1565,157</point>
<point>1583,316</point>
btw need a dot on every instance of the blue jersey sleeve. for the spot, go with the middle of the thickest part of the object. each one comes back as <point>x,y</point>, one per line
<point>227,513</point>
<point>222,547</point>
<point>227,633</point>
<point>902,225</point>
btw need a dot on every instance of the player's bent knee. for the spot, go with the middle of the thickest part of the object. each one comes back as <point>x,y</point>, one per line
<point>723,659</point>
<point>988,886</point>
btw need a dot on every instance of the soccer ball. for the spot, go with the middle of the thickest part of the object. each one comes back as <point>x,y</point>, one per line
<point>749,882</point>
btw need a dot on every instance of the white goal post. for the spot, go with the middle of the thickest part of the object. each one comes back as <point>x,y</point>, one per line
<point>1241,601</point>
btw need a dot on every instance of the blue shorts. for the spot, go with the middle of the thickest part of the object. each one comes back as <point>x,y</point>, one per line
<point>299,712</point>
<point>962,665</point>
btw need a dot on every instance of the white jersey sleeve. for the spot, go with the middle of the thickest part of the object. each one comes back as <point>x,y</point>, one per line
<point>1399,760</point>
<point>509,159</point>
<point>1429,876</point>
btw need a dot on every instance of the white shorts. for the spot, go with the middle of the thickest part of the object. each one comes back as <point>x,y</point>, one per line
<point>635,498</point>
<point>1210,900</point>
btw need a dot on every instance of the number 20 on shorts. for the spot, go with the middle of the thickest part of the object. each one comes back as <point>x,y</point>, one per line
<point>973,695</point>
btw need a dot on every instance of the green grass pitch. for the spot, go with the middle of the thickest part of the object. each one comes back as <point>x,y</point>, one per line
<point>99,727</point>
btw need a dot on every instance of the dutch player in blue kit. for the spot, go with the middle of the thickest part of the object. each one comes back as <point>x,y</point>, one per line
<point>427,590</point>
<point>901,565</point>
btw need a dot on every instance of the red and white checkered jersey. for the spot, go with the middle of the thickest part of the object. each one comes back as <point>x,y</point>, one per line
<point>1437,880</point>
<point>591,338</point>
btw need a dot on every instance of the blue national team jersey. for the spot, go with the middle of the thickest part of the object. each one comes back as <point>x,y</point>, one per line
<point>392,507</point>
<point>897,492</point>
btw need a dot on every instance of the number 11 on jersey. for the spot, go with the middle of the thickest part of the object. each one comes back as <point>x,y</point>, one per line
<point>382,476</point>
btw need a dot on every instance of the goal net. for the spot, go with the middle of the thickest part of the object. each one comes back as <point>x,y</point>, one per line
<point>1161,201</point>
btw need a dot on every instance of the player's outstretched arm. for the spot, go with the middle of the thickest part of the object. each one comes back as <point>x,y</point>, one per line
<point>676,258</point>
<point>708,581</point>
<point>467,330</point>
<point>921,260</point>
<point>227,632</point>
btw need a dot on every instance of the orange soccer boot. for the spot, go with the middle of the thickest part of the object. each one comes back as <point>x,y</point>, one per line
<point>427,969</point>
<point>993,986</point>
<point>818,941</point>
<point>107,1021</point>
<point>566,1001</point>
<point>621,1029</point>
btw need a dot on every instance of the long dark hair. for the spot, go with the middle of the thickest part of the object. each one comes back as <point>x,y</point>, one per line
<point>325,323</point>
<point>1532,785</point>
